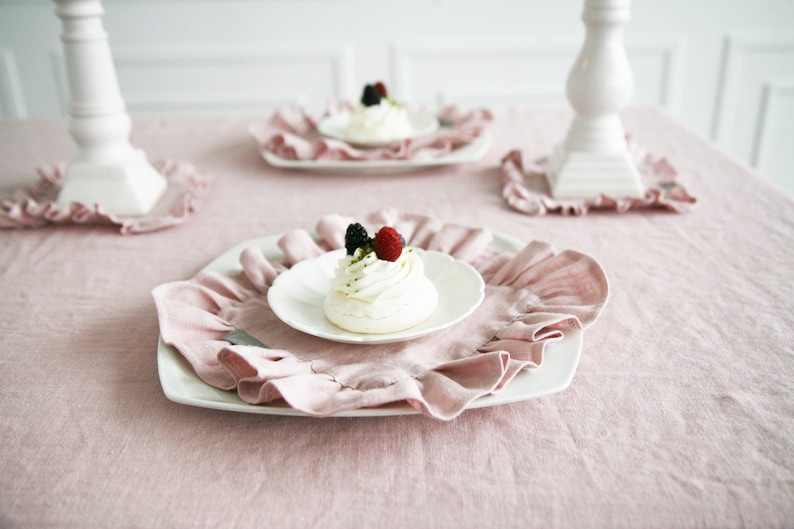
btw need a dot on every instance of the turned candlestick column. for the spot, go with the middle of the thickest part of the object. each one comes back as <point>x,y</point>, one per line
<point>593,158</point>
<point>107,170</point>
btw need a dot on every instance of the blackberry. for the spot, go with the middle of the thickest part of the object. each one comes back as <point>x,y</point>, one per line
<point>370,96</point>
<point>355,237</point>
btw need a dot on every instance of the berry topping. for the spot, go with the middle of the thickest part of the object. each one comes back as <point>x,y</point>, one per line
<point>370,96</point>
<point>355,237</point>
<point>388,244</point>
<point>381,88</point>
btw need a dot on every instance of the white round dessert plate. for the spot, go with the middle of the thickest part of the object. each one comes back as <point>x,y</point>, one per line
<point>297,295</point>
<point>471,152</point>
<point>181,384</point>
<point>335,126</point>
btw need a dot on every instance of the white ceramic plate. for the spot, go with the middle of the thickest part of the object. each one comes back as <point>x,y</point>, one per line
<point>181,384</point>
<point>297,296</point>
<point>468,153</point>
<point>335,126</point>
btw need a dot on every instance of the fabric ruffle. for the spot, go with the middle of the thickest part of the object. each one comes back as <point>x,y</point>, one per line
<point>293,135</point>
<point>533,295</point>
<point>526,190</point>
<point>36,207</point>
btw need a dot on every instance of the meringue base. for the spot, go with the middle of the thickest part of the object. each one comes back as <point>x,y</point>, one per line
<point>385,316</point>
<point>385,122</point>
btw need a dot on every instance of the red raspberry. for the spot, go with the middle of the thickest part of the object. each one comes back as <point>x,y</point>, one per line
<point>381,88</point>
<point>388,244</point>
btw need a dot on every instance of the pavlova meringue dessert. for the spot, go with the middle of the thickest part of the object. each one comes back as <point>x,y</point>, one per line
<point>377,118</point>
<point>379,285</point>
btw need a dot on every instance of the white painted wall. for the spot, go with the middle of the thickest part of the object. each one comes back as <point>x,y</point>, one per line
<point>724,67</point>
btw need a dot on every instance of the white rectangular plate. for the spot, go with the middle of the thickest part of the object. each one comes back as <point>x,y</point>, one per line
<point>181,384</point>
<point>468,153</point>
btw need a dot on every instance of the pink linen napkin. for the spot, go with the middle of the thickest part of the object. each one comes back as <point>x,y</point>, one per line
<point>532,295</point>
<point>526,189</point>
<point>293,135</point>
<point>35,207</point>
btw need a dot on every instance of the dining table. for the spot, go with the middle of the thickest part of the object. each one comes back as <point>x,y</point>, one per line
<point>670,405</point>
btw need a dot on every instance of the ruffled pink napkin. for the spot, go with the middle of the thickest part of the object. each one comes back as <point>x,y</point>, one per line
<point>36,207</point>
<point>293,135</point>
<point>532,295</point>
<point>526,189</point>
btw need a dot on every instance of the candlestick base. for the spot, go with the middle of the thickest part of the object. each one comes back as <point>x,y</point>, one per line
<point>131,187</point>
<point>579,175</point>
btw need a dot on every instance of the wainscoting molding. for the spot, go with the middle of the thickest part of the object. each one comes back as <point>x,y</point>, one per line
<point>756,88</point>
<point>773,123</point>
<point>12,97</point>
<point>227,78</point>
<point>726,72</point>
<point>661,59</point>
<point>523,72</point>
<point>740,52</point>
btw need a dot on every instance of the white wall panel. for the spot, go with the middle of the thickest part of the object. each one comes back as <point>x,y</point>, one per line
<point>481,71</point>
<point>775,133</point>
<point>658,65</point>
<point>58,69</point>
<point>233,79</point>
<point>12,98</point>
<point>757,68</point>
<point>523,72</point>
<point>723,67</point>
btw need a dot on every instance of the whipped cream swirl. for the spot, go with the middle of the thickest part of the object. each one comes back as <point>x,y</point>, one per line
<point>386,121</point>
<point>364,277</point>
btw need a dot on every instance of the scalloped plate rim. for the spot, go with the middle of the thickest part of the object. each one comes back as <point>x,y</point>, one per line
<point>280,301</point>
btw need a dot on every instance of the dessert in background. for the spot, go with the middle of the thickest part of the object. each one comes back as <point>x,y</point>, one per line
<point>377,117</point>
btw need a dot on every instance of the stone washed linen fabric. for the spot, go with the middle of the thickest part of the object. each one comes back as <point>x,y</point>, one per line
<point>679,414</point>
<point>292,134</point>
<point>525,188</point>
<point>35,206</point>
<point>533,294</point>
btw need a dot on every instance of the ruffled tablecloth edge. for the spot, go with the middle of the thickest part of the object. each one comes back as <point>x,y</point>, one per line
<point>35,206</point>
<point>525,188</point>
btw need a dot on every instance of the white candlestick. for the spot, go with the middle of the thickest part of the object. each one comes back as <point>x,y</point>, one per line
<point>107,170</point>
<point>594,159</point>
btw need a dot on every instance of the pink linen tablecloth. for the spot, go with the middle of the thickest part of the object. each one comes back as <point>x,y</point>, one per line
<point>679,415</point>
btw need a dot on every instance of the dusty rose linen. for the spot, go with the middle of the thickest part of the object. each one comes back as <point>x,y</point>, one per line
<point>679,415</point>
<point>526,190</point>
<point>532,296</point>
<point>293,135</point>
<point>35,206</point>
